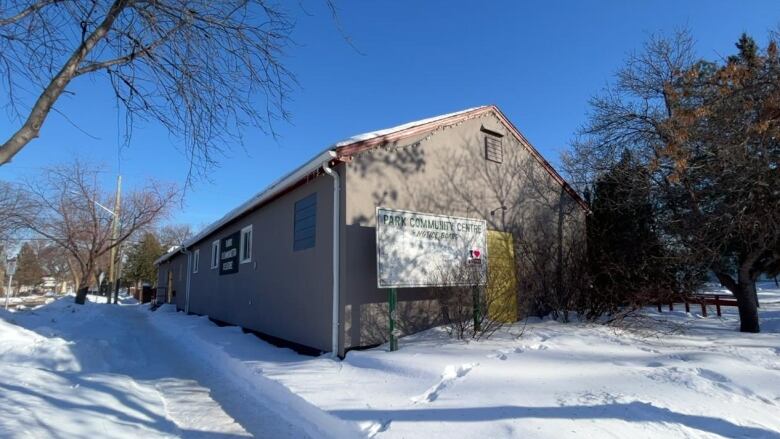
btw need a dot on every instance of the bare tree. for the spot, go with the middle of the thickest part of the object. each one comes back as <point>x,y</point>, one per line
<point>63,207</point>
<point>54,260</point>
<point>706,134</point>
<point>171,235</point>
<point>196,67</point>
<point>11,202</point>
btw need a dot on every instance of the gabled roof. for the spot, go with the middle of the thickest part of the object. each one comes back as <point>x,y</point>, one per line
<point>344,149</point>
<point>382,134</point>
<point>366,141</point>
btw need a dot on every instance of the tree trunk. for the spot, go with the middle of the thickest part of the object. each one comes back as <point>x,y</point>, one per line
<point>754,291</point>
<point>746,298</point>
<point>81,295</point>
<point>748,308</point>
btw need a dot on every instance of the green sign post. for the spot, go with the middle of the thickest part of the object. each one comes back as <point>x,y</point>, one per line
<point>477,307</point>
<point>392,299</point>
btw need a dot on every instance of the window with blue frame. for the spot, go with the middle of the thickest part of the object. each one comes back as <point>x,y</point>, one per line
<point>305,223</point>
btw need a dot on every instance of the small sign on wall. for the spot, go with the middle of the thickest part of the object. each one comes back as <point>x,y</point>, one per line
<point>228,256</point>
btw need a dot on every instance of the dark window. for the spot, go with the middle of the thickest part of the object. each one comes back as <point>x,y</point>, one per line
<point>305,226</point>
<point>494,148</point>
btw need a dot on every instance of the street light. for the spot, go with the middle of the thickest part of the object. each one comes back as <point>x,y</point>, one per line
<point>10,269</point>
<point>110,212</point>
<point>105,208</point>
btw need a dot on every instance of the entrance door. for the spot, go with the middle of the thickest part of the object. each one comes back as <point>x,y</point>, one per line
<point>502,277</point>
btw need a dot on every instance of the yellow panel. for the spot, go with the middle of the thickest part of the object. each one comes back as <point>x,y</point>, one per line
<point>502,277</point>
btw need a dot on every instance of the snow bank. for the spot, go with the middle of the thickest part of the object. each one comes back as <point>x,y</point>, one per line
<point>98,371</point>
<point>207,342</point>
<point>553,380</point>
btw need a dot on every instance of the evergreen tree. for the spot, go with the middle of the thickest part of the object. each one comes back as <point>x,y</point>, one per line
<point>29,271</point>
<point>625,252</point>
<point>748,52</point>
<point>140,260</point>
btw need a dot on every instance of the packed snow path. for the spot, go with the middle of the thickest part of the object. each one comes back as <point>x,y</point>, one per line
<point>103,371</point>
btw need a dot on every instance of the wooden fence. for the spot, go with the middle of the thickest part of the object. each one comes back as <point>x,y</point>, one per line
<point>703,300</point>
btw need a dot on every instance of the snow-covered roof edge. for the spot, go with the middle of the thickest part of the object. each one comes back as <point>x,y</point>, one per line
<point>292,177</point>
<point>384,132</point>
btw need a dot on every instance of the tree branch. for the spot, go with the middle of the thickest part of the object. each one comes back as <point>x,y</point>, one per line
<point>144,51</point>
<point>43,105</point>
<point>27,11</point>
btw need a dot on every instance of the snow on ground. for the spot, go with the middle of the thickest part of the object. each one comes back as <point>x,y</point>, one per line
<point>78,371</point>
<point>102,371</point>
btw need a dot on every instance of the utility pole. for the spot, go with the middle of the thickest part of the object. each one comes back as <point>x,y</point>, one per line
<point>11,268</point>
<point>112,272</point>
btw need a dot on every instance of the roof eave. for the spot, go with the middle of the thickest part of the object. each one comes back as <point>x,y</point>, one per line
<point>269,192</point>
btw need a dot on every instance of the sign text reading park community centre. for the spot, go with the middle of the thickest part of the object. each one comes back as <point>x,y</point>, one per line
<point>425,250</point>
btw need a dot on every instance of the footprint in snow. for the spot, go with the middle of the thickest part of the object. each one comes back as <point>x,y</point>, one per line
<point>503,354</point>
<point>726,384</point>
<point>375,427</point>
<point>533,347</point>
<point>448,377</point>
<point>682,357</point>
<point>650,350</point>
<point>704,380</point>
<point>500,354</point>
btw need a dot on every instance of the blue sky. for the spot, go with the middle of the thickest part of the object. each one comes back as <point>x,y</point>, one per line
<point>538,61</point>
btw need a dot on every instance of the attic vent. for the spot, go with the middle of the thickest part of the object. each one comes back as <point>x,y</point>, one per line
<point>494,148</point>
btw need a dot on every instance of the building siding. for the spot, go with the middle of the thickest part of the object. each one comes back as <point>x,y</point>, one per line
<point>281,292</point>
<point>288,294</point>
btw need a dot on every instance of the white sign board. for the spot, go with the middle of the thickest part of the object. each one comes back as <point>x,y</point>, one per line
<point>425,250</point>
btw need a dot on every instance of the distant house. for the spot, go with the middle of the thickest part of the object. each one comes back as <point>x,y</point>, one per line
<point>48,283</point>
<point>268,265</point>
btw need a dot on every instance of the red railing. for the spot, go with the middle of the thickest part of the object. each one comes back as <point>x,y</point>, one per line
<point>703,300</point>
